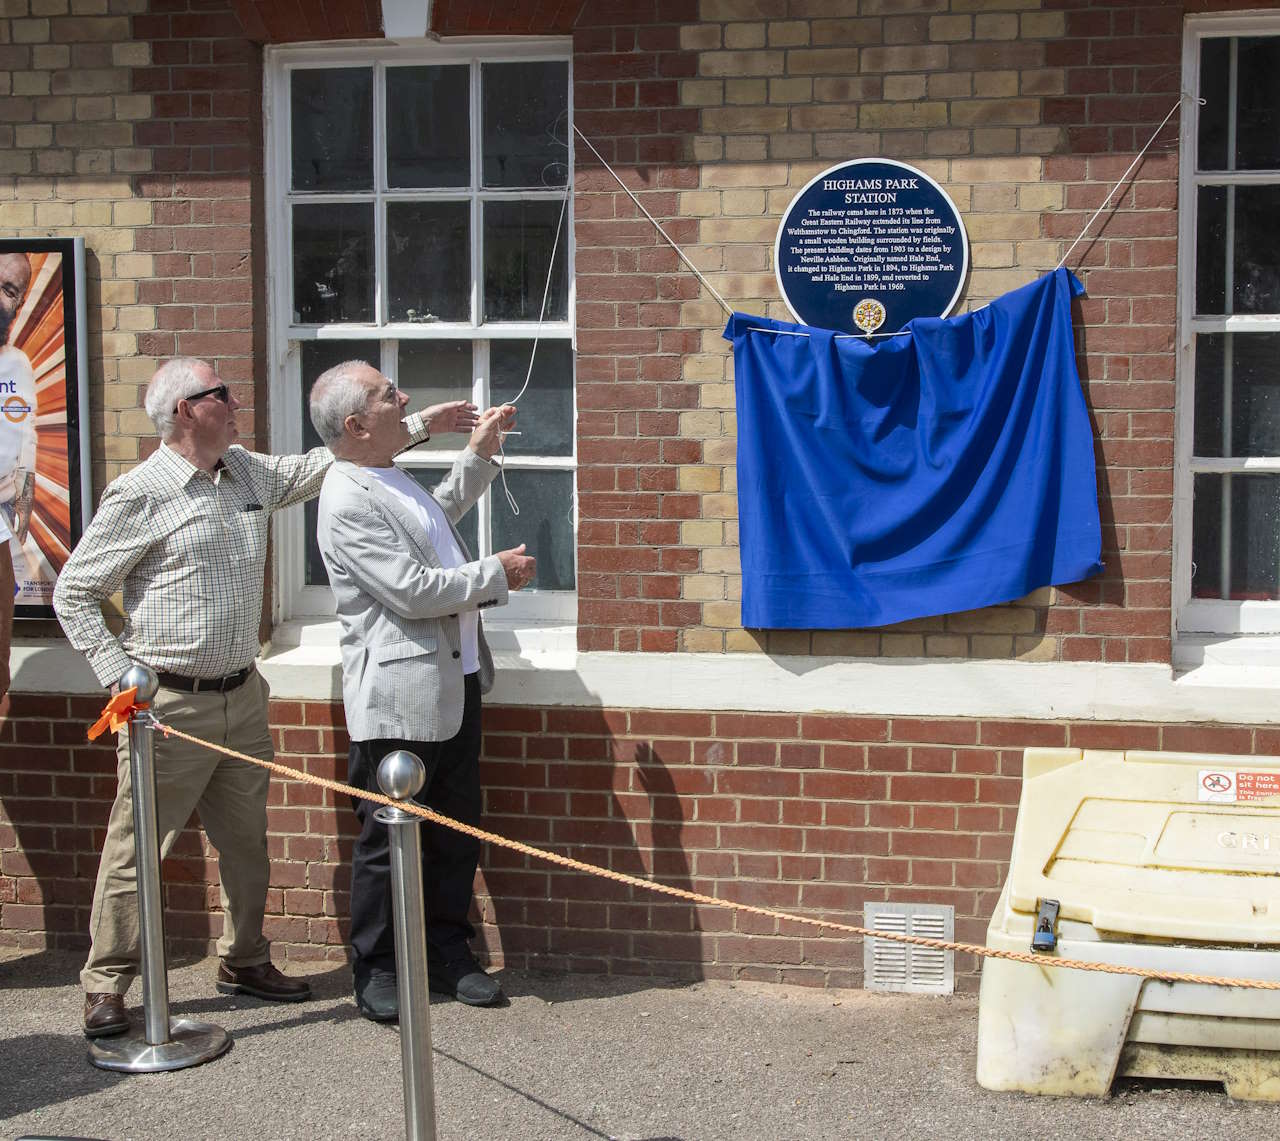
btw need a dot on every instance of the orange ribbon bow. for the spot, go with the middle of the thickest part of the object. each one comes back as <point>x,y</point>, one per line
<point>117,712</point>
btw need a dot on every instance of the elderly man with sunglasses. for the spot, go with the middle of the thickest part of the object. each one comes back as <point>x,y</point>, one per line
<point>184,535</point>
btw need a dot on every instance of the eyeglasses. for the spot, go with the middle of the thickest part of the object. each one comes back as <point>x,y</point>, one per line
<point>218,392</point>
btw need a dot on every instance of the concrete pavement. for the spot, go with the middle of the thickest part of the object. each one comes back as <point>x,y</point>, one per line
<point>572,1057</point>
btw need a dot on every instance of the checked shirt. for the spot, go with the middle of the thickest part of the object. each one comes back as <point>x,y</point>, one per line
<point>188,549</point>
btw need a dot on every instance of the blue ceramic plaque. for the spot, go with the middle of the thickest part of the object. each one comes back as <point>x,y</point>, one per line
<point>868,245</point>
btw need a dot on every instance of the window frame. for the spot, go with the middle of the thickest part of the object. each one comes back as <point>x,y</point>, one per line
<point>1198,617</point>
<point>292,599</point>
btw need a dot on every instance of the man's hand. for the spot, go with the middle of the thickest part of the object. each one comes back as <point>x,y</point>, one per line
<point>486,439</point>
<point>520,567</point>
<point>453,416</point>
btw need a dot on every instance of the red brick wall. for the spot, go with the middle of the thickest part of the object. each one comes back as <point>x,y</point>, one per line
<point>1084,90</point>
<point>1122,67</point>
<point>502,18</point>
<point>630,343</point>
<point>296,21</point>
<point>806,813</point>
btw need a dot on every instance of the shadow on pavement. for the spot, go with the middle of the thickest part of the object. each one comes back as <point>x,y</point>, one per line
<point>27,1062</point>
<point>564,1116</point>
<point>551,987</point>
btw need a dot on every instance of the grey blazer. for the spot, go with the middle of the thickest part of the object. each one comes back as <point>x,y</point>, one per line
<point>401,649</point>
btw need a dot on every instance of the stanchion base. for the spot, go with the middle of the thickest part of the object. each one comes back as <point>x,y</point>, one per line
<point>190,1043</point>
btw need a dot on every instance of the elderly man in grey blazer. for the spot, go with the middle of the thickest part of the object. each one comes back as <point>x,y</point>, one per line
<point>414,662</point>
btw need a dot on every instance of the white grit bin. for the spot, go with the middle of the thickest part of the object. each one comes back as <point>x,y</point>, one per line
<point>1161,860</point>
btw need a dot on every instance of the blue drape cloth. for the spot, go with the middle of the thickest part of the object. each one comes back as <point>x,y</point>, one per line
<point>913,475</point>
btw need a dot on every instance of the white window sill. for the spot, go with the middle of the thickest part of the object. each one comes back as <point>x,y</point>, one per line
<point>1229,661</point>
<point>1230,681</point>
<point>303,659</point>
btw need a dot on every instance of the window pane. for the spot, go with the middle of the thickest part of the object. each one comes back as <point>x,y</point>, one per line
<point>545,411</point>
<point>468,525</point>
<point>1253,525</point>
<point>545,523</point>
<point>1241,218</point>
<point>1206,537</point>
<point>432,372</point>
<point>526,115</point>
<point>331,121</point>
<point>1215,79</point>
<point>316,357</point>
<point>332,262</point>
<point>429,261</point>
<point>1257,96</point>
<point>518,240</point>
<point>1247,366</point>
<point>428,132</point>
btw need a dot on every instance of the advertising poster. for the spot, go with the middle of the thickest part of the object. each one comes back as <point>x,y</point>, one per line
<point>43,401</point>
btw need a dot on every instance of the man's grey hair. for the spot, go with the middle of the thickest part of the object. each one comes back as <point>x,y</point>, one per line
<point>337,394</point>
<point>173,380</point>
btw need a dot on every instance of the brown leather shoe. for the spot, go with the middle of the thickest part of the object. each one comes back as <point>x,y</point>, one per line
<point>104,1014</point>
<point>262,981</point>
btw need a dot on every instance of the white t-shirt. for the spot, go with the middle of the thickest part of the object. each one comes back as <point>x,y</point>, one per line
<point>422,506</point>
<point>18,424</point>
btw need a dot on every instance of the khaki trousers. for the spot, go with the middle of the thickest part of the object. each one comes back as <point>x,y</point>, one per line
<point>231,798</point>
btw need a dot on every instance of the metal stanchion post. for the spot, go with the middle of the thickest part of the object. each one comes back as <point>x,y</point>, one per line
<point>401,774</point>
<point>167,1043</point>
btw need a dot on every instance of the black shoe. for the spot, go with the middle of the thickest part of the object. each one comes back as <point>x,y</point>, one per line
<point>465,981</point>
<point>377,994</point>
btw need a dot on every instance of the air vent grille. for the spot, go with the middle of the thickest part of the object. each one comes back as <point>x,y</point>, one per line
<point>893,966</point>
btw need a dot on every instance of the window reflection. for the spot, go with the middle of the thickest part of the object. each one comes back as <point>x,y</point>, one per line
<point>428,139</point>
<point>525,140</point>
<point>1242,365</point>
<point>331,128</point>
<point>1245,71</point>
<point>545,523</point>
<point>545,411</point>
<point>428,261</point>
<point>433,372</point>
<point>518,241</point>
<point>1246,508</point>
<point>1238,250</point>
<point>333,262</point>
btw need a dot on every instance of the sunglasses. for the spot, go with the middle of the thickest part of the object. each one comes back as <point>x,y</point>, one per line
<point>218,392</point>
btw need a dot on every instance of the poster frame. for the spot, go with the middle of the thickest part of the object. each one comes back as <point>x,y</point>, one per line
<point>75,329</point>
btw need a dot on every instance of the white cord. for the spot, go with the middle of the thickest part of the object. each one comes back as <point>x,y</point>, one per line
<point>537,333</point>
<point>1124,177</point>
<point>697,272</point>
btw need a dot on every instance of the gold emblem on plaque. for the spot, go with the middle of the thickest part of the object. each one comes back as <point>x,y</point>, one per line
<point>868,315</point>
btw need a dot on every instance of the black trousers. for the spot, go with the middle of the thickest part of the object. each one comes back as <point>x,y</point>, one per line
<point>449,858</point>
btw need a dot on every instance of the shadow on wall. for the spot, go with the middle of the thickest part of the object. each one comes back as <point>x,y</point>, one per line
<point>605,801</point>
<point>56,790</point>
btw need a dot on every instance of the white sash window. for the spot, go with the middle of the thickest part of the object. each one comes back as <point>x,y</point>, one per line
<point>420,218</point>
<point>1227,537</point>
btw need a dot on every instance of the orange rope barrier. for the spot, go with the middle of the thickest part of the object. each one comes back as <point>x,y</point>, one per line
<point>1038,960</point>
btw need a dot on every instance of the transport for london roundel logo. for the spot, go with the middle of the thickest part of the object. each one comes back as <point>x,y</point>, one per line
<point>16,409</point>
